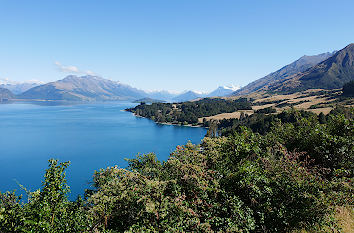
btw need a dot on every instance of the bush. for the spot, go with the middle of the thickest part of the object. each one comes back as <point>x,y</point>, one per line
<point>46,210</point>
<point>288,179</point>
<point>348,89</point>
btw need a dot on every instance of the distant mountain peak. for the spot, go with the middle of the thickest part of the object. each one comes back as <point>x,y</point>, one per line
<point>223,91</point>
<point>229,87</point>
<point>76,77</point>
<point>18,87</point>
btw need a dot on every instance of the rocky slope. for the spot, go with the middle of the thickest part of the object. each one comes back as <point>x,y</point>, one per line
<point>300,65</point>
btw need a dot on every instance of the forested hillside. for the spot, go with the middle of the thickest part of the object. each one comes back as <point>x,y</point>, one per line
<point>188,112</point>
<point>295,176</point>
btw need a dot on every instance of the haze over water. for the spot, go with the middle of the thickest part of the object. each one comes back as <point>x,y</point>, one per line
<point>91,136</point>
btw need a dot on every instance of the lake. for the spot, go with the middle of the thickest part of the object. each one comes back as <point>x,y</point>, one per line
<point>91,136</point>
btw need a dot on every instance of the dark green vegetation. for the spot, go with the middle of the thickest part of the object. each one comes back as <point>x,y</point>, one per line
<point>331,73</point>
<point>260,122</point>
<point>348,89</point>
<point>188,112</point>
<point>290,177</point>
<point>45,210</point>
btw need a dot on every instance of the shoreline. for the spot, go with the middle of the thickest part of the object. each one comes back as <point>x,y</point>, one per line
<point>168,123</point>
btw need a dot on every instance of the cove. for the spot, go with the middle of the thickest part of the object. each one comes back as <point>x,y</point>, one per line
<point>90,136</point>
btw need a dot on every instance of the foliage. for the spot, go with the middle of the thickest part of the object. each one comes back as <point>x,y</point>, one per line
<point>46,210</point>
<point>183,195</point>
<point>189,112</point>
<point>261,122</point>
<point>348,89</point>
<point>281,191</point>
<point>289,178</point>
<point>266,110</point>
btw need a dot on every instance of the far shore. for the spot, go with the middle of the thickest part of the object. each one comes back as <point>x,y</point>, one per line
<point>168,123</point>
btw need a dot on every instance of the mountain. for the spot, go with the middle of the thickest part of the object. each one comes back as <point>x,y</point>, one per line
<point>161,95</point>
<point>187,96</point>
<point>331,73</point>
<point>94,88</point>
<point>6,94</point>
<point>223,91</point>
<point>18,87</point>
<point>300,65</point>
<point>84,88</point>
<point>149,100</point>
<point>192,95</point>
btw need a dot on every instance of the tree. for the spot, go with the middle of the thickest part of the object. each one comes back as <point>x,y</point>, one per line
<point>348,89</point>
<point>47,210</point>
<point>322,118</point>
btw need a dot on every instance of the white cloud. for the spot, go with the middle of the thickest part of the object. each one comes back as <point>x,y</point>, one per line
<point>89,72</point>
<point>72,69</point>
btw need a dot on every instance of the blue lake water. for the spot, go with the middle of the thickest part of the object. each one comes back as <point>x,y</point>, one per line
<point>91,136</point>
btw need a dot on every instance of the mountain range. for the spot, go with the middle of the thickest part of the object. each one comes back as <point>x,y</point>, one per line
<point>331,73</point>
<point>300,65</point>
<point>5,94</point>
<point>323,71</point>
<point>18,87</point>
<point>221,91</point>
<point>83,88</point>
<point>94,88</point>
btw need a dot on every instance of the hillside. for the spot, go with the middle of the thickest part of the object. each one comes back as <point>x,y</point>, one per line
<point>332,73</point>
<point>18,87</point>
<point>296,176</point>
<point>6,94</point>
<point>84,88</point>
<point>189,112</point>
<point>300,65</point>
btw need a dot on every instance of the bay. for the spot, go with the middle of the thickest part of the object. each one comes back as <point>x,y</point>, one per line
<point>90,136</point>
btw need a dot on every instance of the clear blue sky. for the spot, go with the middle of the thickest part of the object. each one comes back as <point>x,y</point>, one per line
<point>167,44</point>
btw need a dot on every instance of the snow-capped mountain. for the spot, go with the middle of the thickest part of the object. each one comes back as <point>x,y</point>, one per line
<point>93,88</point>
<point>219,92</point>
<point>18,87</point>
<point>223,91</point>
<point>162,95</point>
<point>187,96</point>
